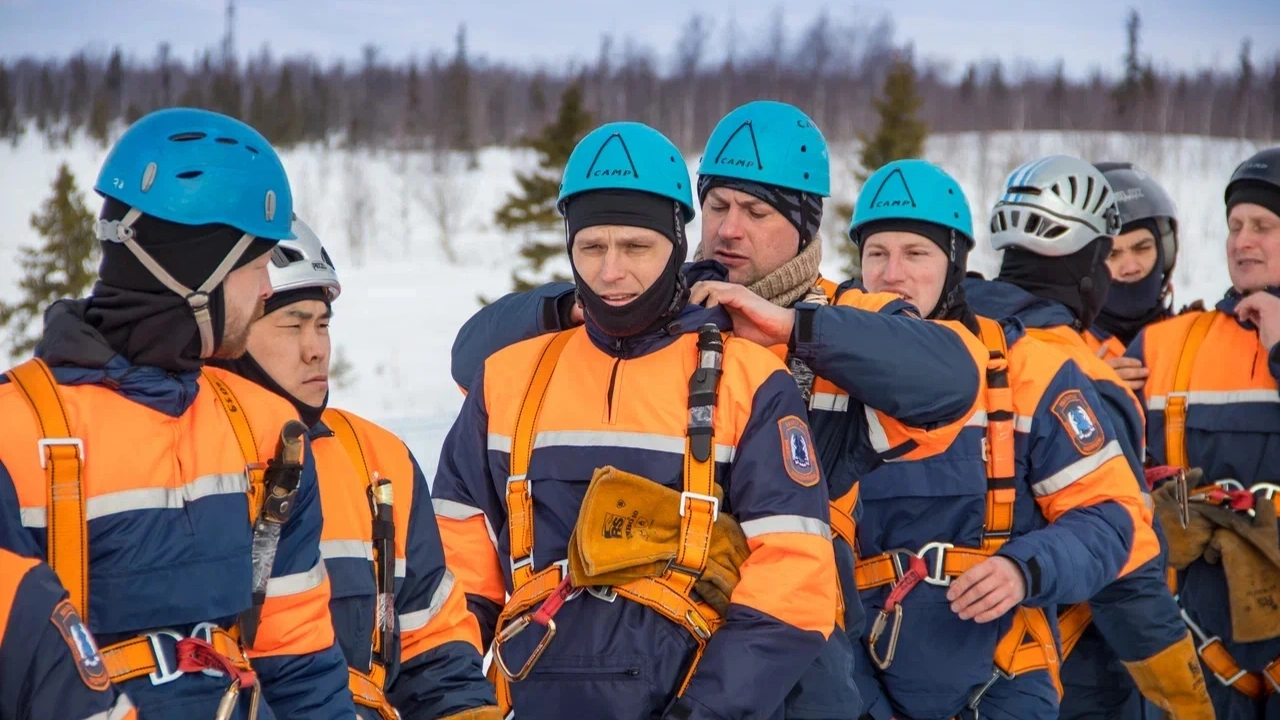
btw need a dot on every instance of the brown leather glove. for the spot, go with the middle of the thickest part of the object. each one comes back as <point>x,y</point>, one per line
<point>1172,680</point>
<point>1186,545</point>
<point>1250,556</point>
<point>489,712</point>
<point>629,528</point>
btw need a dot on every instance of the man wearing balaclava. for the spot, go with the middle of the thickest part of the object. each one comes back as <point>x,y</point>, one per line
<point>152,466</point>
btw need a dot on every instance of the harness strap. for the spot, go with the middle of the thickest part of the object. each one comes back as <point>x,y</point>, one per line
<point>846,528</point>
<point>244,437</point>
<point>886,569</point>
<point>1001,488</point>
<point>1215,657</point>
<point>1175,410</point>
<point>1072,623</point>
<point>62,458</point>
<point>1029,646</point>
<point>142,655</point>
<point>366,690</point>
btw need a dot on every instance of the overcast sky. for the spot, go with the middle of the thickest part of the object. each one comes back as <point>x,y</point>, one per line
<point>1086,34</point>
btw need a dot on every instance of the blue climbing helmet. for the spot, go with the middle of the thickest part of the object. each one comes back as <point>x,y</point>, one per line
<point>195,167</point>
<point>772,143</point>
<point>912,190</point>
<point>627,156</point>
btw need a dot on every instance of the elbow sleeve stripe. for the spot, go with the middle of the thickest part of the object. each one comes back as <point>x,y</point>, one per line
<point>1072,473</point>
<point>791,577</point>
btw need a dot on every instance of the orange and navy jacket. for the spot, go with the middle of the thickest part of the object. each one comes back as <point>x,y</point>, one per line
<point>1077,526</point>
<point>49,662</point>
<point>1136,615</point>
<point>1232,431</point>
<point>1096,338</point>
<point>434,667</point>
<point>624,402</point>
<point>169,541</point>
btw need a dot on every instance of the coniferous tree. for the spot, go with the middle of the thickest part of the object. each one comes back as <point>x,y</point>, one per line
<point>900,134</point>
<point>64,266</point>
<point>534,209</point>
<point>10,127</point>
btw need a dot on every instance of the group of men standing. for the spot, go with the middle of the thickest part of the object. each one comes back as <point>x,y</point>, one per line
<point>725,488</point>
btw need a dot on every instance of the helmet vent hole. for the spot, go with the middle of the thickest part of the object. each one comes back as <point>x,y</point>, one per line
<point>679,186</point>
<point>1055,231</point>
<point>995,224</point>
<point>804,148</point>
<point>226,141</point>
<point>1088,192</point>
<point>190,174</point>
<point>187,136</point>
<point>283,257</point>
<point>1102,198</point>
<point>1075,187</point>
<point>1057,190</point>
<point>1033,222</point>
<point>806,176</point>
<point>1016,216</point>
<point>324,254</point>
<point>1004,224</point>
<point>252,149</point>
<point>1026,190</point>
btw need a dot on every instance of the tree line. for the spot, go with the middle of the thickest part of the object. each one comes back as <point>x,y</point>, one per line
<point>831,68</point>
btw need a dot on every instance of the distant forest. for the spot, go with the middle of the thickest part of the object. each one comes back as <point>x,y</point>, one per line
<point>454,100</point>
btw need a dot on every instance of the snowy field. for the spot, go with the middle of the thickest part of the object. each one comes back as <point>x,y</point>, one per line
<point>404,296</point>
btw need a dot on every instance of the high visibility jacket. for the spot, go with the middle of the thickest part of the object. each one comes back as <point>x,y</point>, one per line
<point>1225,419</point>
<point>883,377</point>
<point>1076,525</point>
<point>1096,338</point>
<point>168,539</point>
<point>50,666</point>
<point>1135,617</point>
<point>428,664</point>
<point>625,403</point>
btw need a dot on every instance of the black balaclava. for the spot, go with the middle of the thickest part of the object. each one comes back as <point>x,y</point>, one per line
<point>951,303</point>
<point>661,302</point>
<point>247,367</point>
<point>803,210</point>
<point>1079,280</point>
<point>137,315</point>
<point>1131,306</point>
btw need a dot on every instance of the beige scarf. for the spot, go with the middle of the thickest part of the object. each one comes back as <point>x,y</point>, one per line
<point>795,281</point>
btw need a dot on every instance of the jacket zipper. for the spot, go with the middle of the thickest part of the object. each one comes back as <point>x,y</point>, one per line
<point>586,672</point>
<point>613,379</point>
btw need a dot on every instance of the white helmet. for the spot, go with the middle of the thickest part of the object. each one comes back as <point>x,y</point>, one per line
<point>303,263</point>
<point>1054,206</point>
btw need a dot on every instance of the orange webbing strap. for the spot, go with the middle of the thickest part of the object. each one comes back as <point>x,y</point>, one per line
<point>880,570</point>
<point>136,657</point>
<point>525,598</point>
<point>1029,646</point>
<point>846,528</point>
<point>62,458</point>
<point>1175,409</point>
<point>1272,673</point>
<point>519,501</point>
<point>345,432</point>
<point>255,470</point>
<point>1215,657</point>
<point>1072,624</point>
<point>1001,492</point>
<point>366,690</point>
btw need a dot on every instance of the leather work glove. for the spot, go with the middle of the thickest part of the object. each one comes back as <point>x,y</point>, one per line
<point>629,528</point>
<point>1250,556</point>
<point>1186,545</point>
<point>488,712</point>
<point>1172,679</point>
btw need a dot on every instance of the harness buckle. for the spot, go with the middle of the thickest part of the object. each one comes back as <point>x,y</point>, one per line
<point>715,503</point>
<point>43,443</point>
<point>936,575</point>
<point>164,673</point>
<point>1268,490</point>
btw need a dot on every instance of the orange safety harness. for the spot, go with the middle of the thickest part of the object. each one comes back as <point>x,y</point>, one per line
<point>669,594</point>
<point>62,456</point>
<point>1029,645</point>
<point>368,688</point>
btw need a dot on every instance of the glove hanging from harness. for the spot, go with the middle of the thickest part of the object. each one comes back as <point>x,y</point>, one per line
<point>1188,533</point>
<point>1250,556</point>
<point>629,528</point>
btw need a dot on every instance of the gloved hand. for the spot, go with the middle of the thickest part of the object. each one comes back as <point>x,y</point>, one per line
<point>1250,556</point>
<point>1186,545</point>
<point>629,528</point>
<point>1173,681</point>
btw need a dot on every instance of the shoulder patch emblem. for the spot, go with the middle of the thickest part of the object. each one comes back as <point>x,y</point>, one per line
<point>93,670</point>
<point>797,451</point>
<point>1081,424</point>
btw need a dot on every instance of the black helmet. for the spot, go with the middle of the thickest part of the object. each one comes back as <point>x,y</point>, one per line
<point>1139,197</point>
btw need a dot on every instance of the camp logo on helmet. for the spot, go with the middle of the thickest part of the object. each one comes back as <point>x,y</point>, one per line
<point>893,194</point>
<point>741,156</point>
<point>616,163</point>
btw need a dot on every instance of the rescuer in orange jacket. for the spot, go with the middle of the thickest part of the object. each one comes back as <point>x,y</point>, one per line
<point>142,475</point>
<point>648,388</point>
<point>380,541</point>
<point>50,666</point>
<point>1212,403</point>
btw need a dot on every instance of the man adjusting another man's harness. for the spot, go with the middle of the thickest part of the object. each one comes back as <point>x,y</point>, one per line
<point>662,521</point>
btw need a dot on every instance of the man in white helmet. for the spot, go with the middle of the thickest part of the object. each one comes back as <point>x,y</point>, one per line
<point>411,646</point>
<point>1056,223</point>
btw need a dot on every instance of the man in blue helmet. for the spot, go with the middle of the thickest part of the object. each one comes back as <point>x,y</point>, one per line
<point>885,384</point>
<point>632,505</point>
<point>177,502</point>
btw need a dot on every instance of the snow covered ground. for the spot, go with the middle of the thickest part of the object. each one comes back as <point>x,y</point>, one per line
<point>404,300</point>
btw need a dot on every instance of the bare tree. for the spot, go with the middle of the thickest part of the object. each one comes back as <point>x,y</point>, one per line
<point>444,195</point>
<point>359,219</point>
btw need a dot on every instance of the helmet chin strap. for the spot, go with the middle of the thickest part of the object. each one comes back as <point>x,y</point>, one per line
<point>121,231</point>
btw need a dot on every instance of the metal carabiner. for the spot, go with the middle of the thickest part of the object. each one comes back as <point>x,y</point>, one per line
<point>227,705</point>
<point>514,628</point>
<point>877,629</point>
